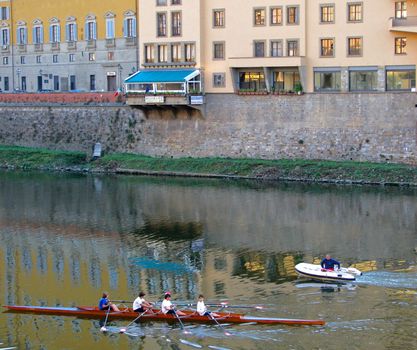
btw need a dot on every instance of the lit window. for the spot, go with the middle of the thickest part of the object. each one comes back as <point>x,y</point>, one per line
<point>355,12</point>
<point>400,46</point>
<point>354,46</point>
<point>276,15</point>
<point>327,47</point>
<point>218,18</point>
<point>292,15</point>
<point>259,17</point>
<point>327,13</point>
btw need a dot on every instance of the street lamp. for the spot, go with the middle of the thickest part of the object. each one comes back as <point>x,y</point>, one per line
<point>120,68</point>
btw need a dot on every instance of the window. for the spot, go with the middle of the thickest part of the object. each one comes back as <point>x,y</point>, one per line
<point>326,47</point>
<point>90,30</point>
<point>22,35</point>
<point>277,49</point>
<point>4,13</point>
<point>162,53</point>
<point>219,80</point>
<point>71,32</point>
<point>354,46</point>
<point>110,56</point>
<point>149,54</point>
<point>161,19</point>
<point>23,84</point>
<point>218,18</point>
<point>5,36</point>
<point>292,15</point>
<point>110,28</point>
<point>54,58</point>
<point>161,2</point>
<point>71,57</point>
<point>5,60</point>
<point>92,82</point>
<point>252,80</point>
<point>38,35</point>
<point>218,50</point>
<point>400,46</point>
<point>292,48</point>
<point>400,79</point>
<point>176,23</point>
<point>54,33</point>
<point>401,9</point>
<point>276,15</point>
<point>259,17</point>
<point>327,80</point>
<point>56,82</point>
<point>363,80</point>
<point>189,50</point>
<point>355,12</point>
<point>129,27</point>
<point>91,56</point>
<point>176,52</point>
<point>22,59</point>
<point>175,2</point>
<point>327,14</point>
<point>6,84</point>
<point>73,85</point>
<point>259,48</point>
<point>38,59</point>
<point>286,80</point>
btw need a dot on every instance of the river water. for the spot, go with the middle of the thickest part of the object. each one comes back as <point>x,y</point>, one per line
<point>67,237</point>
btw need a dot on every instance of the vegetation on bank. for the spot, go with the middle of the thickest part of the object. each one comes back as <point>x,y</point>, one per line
<point>283,169</point>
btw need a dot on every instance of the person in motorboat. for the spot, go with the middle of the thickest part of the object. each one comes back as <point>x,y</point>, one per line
<point>106,304</point>
<point>202,308</point>
<point>168,308</point>
<point>328,264</point>
<point>141,305</point>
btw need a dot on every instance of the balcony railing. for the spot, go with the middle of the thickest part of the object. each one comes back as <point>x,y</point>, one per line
<point>408,24</point>
<point>5,48</point>
<point>91,44</point>
<point>21,48</point>
<point>38,47</point>
<point>110,43</point>
<point>131,41</point>
<point>72,45</point>
<point>55,46</point>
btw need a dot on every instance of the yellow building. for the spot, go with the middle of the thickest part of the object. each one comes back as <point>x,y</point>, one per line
<point>283,46</point>
<point>67,45</point>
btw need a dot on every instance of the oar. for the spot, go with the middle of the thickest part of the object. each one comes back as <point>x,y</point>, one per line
<point>220,325</point>
<point>104,329</point>
<point>122,330</point>
<point>226,305</point>
<point>181,324</point>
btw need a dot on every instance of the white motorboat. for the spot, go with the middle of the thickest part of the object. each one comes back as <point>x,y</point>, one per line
<point>315,272</point>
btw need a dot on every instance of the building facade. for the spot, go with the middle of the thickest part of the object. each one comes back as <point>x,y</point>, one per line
<point>284,46</point>
<point>67,46</point>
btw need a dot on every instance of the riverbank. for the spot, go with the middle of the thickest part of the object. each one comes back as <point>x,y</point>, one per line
<point>347,172</point>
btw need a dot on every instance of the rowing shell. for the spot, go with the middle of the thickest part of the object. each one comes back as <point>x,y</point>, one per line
<point>129,314</point>
<point>315,272</point>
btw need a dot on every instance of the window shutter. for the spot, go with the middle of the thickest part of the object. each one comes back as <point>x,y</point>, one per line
<point>18,36</point>
<point>134,27</point>
<point>75,32</point>
<point>95,31</point>
<point>86,33</point>
<point>34,35</point>
<point>125,28</point>
<point>41,35</point>
<point>67,32</point>
<point>50,34</point>
<point>58,33</point>
<point>7,13</point>
<point>25,35</point>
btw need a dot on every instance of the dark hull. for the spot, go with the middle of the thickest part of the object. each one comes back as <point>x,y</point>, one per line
<point>129,314</point>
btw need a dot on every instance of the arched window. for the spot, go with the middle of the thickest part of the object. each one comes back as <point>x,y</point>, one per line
<point>54,31</point>
<point>37,35</point>
<point>71,33</point>
<point>90,31</point>
<point>22,33</point>
<point>5,34</point>
<point>129,25</point>
<point>110,27</point>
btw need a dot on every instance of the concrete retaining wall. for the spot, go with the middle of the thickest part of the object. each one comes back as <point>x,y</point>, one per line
<point>375,127</point>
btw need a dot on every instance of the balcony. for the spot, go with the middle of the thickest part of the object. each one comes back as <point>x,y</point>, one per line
<point>110,43</point>
<point>72,45</point>
<point>5,48</point>
<point>55,46</point>
<point>38,47</point>
<point>21,48</point>
<point>405,25</point>
<point>254,62</point>
<point>131,41</point>
<point>91,44</point>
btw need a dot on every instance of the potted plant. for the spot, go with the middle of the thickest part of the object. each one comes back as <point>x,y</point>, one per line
<point>298,88</point>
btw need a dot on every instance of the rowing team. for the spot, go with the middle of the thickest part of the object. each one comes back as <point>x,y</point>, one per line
<point>167,307</point>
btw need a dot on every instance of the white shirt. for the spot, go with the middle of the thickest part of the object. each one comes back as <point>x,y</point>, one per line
<point>201,308</point>
<point>166,306</point>
<point>138,303</point>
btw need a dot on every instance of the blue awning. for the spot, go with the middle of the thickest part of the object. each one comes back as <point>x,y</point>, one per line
<point>162,76</point>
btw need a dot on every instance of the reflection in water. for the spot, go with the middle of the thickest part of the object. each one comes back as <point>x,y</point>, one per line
<point>68,237</point>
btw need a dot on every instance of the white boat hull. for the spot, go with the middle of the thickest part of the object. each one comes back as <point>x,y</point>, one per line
<point>315,272</point>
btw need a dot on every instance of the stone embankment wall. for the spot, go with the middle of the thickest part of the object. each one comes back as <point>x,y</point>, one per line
<point>375,127</point>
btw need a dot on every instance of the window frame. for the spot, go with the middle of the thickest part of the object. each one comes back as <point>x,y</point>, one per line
<point>296,14</point>
<point>271,46</point>
<point>348,7</point>
<point>178,26</point>
<point>281,21</point>
<point>222,19</point>
<point>164,27</point>
<point>287,47</point>
<point>264,48</point>
<point>321,19</point>
<point>255,17</point>
<point>223,80</point>
<point>221,44</point>
<point>403,47</point>
<point>331,49</point>
<point>348,47</point>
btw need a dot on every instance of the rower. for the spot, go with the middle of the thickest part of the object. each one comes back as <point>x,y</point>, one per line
<point>202,308</point>
<point>106,304</point>
<point>328,263</point>
<point>141,305</point>
<point>168,308</point>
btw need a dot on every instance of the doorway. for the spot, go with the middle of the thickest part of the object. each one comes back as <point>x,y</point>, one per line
<point>111,83</point>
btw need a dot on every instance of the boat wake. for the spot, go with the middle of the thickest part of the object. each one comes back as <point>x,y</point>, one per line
<point>389,279</point>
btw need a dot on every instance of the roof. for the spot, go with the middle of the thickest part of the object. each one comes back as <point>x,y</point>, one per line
<point>162,76</point>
